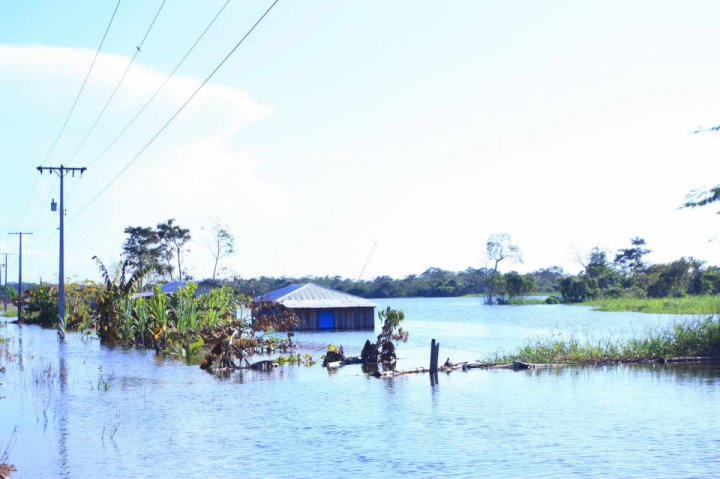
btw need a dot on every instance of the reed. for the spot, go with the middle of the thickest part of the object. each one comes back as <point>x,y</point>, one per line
<point>695,338</point>
<point>705,304</point>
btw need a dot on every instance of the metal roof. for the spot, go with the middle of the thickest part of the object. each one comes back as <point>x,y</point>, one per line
<point>310,295</point>
<point>170,288</point>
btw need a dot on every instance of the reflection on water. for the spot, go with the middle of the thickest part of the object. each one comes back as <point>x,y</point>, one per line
<point>160,417</point>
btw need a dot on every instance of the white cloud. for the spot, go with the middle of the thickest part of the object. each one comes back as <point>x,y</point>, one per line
<point>193,172</point>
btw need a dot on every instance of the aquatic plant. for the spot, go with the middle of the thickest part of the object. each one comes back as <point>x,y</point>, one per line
<point>296,360</point>
<point>5,467</point>
<point>102,383</point>
<point>184,347</point>
<point>698,338</point>
<point>701,304</point>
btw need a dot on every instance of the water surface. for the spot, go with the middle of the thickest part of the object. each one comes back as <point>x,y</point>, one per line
<point>162,418</point>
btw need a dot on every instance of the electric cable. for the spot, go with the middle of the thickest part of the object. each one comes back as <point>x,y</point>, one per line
<point>77,98</point>
<point>43,205</point>
<point>82,87</point>
<point>162,85</point>
<point>182,107</point>
<point>27,203</point>
<point>157,91</point>
<point>138,49</point>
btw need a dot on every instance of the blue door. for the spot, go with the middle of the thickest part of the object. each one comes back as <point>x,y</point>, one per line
<point>326,319</point>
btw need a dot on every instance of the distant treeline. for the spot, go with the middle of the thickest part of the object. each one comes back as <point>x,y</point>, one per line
<point>627,274</point>
<point>434,282</point>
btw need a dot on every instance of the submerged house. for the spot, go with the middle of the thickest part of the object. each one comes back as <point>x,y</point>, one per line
<point>319,308</point>
<point>172,287</point>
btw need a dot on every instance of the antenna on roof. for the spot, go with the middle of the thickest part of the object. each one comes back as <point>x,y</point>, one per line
<point>366,263</point>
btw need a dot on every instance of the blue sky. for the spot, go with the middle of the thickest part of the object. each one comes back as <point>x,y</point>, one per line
<point>419,126</point>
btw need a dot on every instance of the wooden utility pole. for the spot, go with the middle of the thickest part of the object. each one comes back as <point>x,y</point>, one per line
<point>19,294</point>
<point>5,299</point>
<point>61,171</point>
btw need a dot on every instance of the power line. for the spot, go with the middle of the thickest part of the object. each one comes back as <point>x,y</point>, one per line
<point>138,49</point>
<point>42,206</point>
<point>83,85</point>
<point>162,85</point>
<point>67,118</point>
<point>27,204</point>
<point>182,107</point>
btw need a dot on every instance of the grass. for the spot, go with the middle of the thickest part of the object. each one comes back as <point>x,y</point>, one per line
<point>518,300</point>
<point>707,304</point>
<point>698,338</point>
<point>10,313</point>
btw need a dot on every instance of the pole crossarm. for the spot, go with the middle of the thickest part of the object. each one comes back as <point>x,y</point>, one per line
<point>62,172</point>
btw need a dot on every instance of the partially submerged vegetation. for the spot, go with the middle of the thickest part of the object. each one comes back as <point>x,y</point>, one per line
<point>692,339</point>
<point>702,304</point>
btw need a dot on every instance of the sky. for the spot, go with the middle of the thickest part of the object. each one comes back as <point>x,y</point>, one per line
<point>360,138</point>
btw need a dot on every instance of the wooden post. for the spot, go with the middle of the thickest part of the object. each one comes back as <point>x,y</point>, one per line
<point>434,354</point>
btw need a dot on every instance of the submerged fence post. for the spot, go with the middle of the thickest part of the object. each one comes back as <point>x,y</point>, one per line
<point>434,354</point>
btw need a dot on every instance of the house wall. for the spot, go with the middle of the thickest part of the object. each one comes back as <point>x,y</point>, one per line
<point>345,319</point>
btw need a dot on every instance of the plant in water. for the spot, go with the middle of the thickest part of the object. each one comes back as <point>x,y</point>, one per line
<point>390,336</point>
<point>102,383</point>
<point>296,360</point>
<point>700,338</point>
<point>5,467</point>
<point>185,347</point>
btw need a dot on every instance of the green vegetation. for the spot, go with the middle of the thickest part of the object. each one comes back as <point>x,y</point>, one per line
<point>702,304</point>
<point>522,301</point>
<point>699,338</point>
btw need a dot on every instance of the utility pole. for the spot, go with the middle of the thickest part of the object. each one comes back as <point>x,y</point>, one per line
<point>19,294</point>
<point>5,300</point>
<point>61,171</point>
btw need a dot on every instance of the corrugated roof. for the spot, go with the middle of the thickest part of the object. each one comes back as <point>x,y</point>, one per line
<point>310,295</point>
<point>170,288</point>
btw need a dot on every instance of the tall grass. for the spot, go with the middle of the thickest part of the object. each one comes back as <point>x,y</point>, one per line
<point>698,338</point>
<point>706,304</point>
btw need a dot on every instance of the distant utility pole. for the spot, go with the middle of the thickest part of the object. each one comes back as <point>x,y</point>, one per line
<point>61,171</point>
<point>19,294</point>
<point>5,300</point>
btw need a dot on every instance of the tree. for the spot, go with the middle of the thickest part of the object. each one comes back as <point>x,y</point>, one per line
<point>142,249</point>
<point>698,198</point>
<point>223,244</point>
<point>598,269</point>
<point>517,284</point>
<point>671,279</point>
<point>173,239</point>
<point>499,248</point>
<point>630,260</point>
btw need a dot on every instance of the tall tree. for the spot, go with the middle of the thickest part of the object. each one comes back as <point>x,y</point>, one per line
<point>630,260</point>
<point>499,247</point>
<point>173,239</point>
<point>223,244</point>
<point>142,249</point>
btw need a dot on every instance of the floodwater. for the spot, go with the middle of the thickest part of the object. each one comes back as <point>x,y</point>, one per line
<point>81,410</point>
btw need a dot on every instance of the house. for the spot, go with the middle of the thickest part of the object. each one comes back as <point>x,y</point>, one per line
<point>170,288</point>
<point>319,308</point>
